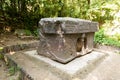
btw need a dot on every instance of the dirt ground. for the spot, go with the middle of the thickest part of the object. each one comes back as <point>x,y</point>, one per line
<point>12,39</point>
<point>5,40</point>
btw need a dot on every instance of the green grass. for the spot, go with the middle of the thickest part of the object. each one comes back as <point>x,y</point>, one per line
<point>101,38</point>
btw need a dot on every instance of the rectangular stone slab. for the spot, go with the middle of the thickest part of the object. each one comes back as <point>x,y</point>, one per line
<point>63,39</point>
<point>77,68</point>
<point>68,25</point>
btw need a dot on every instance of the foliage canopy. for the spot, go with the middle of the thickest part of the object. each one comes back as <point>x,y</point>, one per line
<point>25,14</point>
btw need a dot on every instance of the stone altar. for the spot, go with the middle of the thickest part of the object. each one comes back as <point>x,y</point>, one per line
<point>63,39</point>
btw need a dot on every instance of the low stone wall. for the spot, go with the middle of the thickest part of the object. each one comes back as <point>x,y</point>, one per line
<point>23,75</point>
<point>19,47</point>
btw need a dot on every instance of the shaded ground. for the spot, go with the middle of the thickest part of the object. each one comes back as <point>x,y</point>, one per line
<point>12,39</point>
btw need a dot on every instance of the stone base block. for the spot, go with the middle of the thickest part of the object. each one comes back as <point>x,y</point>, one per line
<point>78,68</point>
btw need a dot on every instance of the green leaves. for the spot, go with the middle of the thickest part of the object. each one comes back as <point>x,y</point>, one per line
<point>1,48</point>
<point>101,38</point>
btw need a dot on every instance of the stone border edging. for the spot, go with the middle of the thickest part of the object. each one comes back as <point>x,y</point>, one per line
<point>19,47</point>
<point>23,74</point>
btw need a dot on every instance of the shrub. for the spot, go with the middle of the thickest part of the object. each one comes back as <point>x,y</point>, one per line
<point>101,38</point>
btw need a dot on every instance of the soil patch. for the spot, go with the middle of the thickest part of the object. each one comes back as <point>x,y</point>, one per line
<point>11,39</point>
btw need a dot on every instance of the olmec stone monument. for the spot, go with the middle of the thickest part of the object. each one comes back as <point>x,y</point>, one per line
<point>63,39</point>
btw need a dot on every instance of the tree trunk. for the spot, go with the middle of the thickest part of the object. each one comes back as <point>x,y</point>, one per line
<point>88,3</point>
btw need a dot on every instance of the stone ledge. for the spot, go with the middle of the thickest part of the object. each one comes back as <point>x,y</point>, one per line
<point>19,47</point>
<point>23,75</point>
<point>68,25</point>
<point>79,67</point>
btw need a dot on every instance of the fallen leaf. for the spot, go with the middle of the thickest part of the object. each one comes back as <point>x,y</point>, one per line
<point>12,52</point>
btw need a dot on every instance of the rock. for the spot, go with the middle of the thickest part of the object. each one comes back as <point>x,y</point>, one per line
<point>59,37</point>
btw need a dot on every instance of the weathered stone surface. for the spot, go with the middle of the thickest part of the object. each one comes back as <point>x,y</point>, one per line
<point>78,68</point>
<point>68,25</point>
<point>63,39</point>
